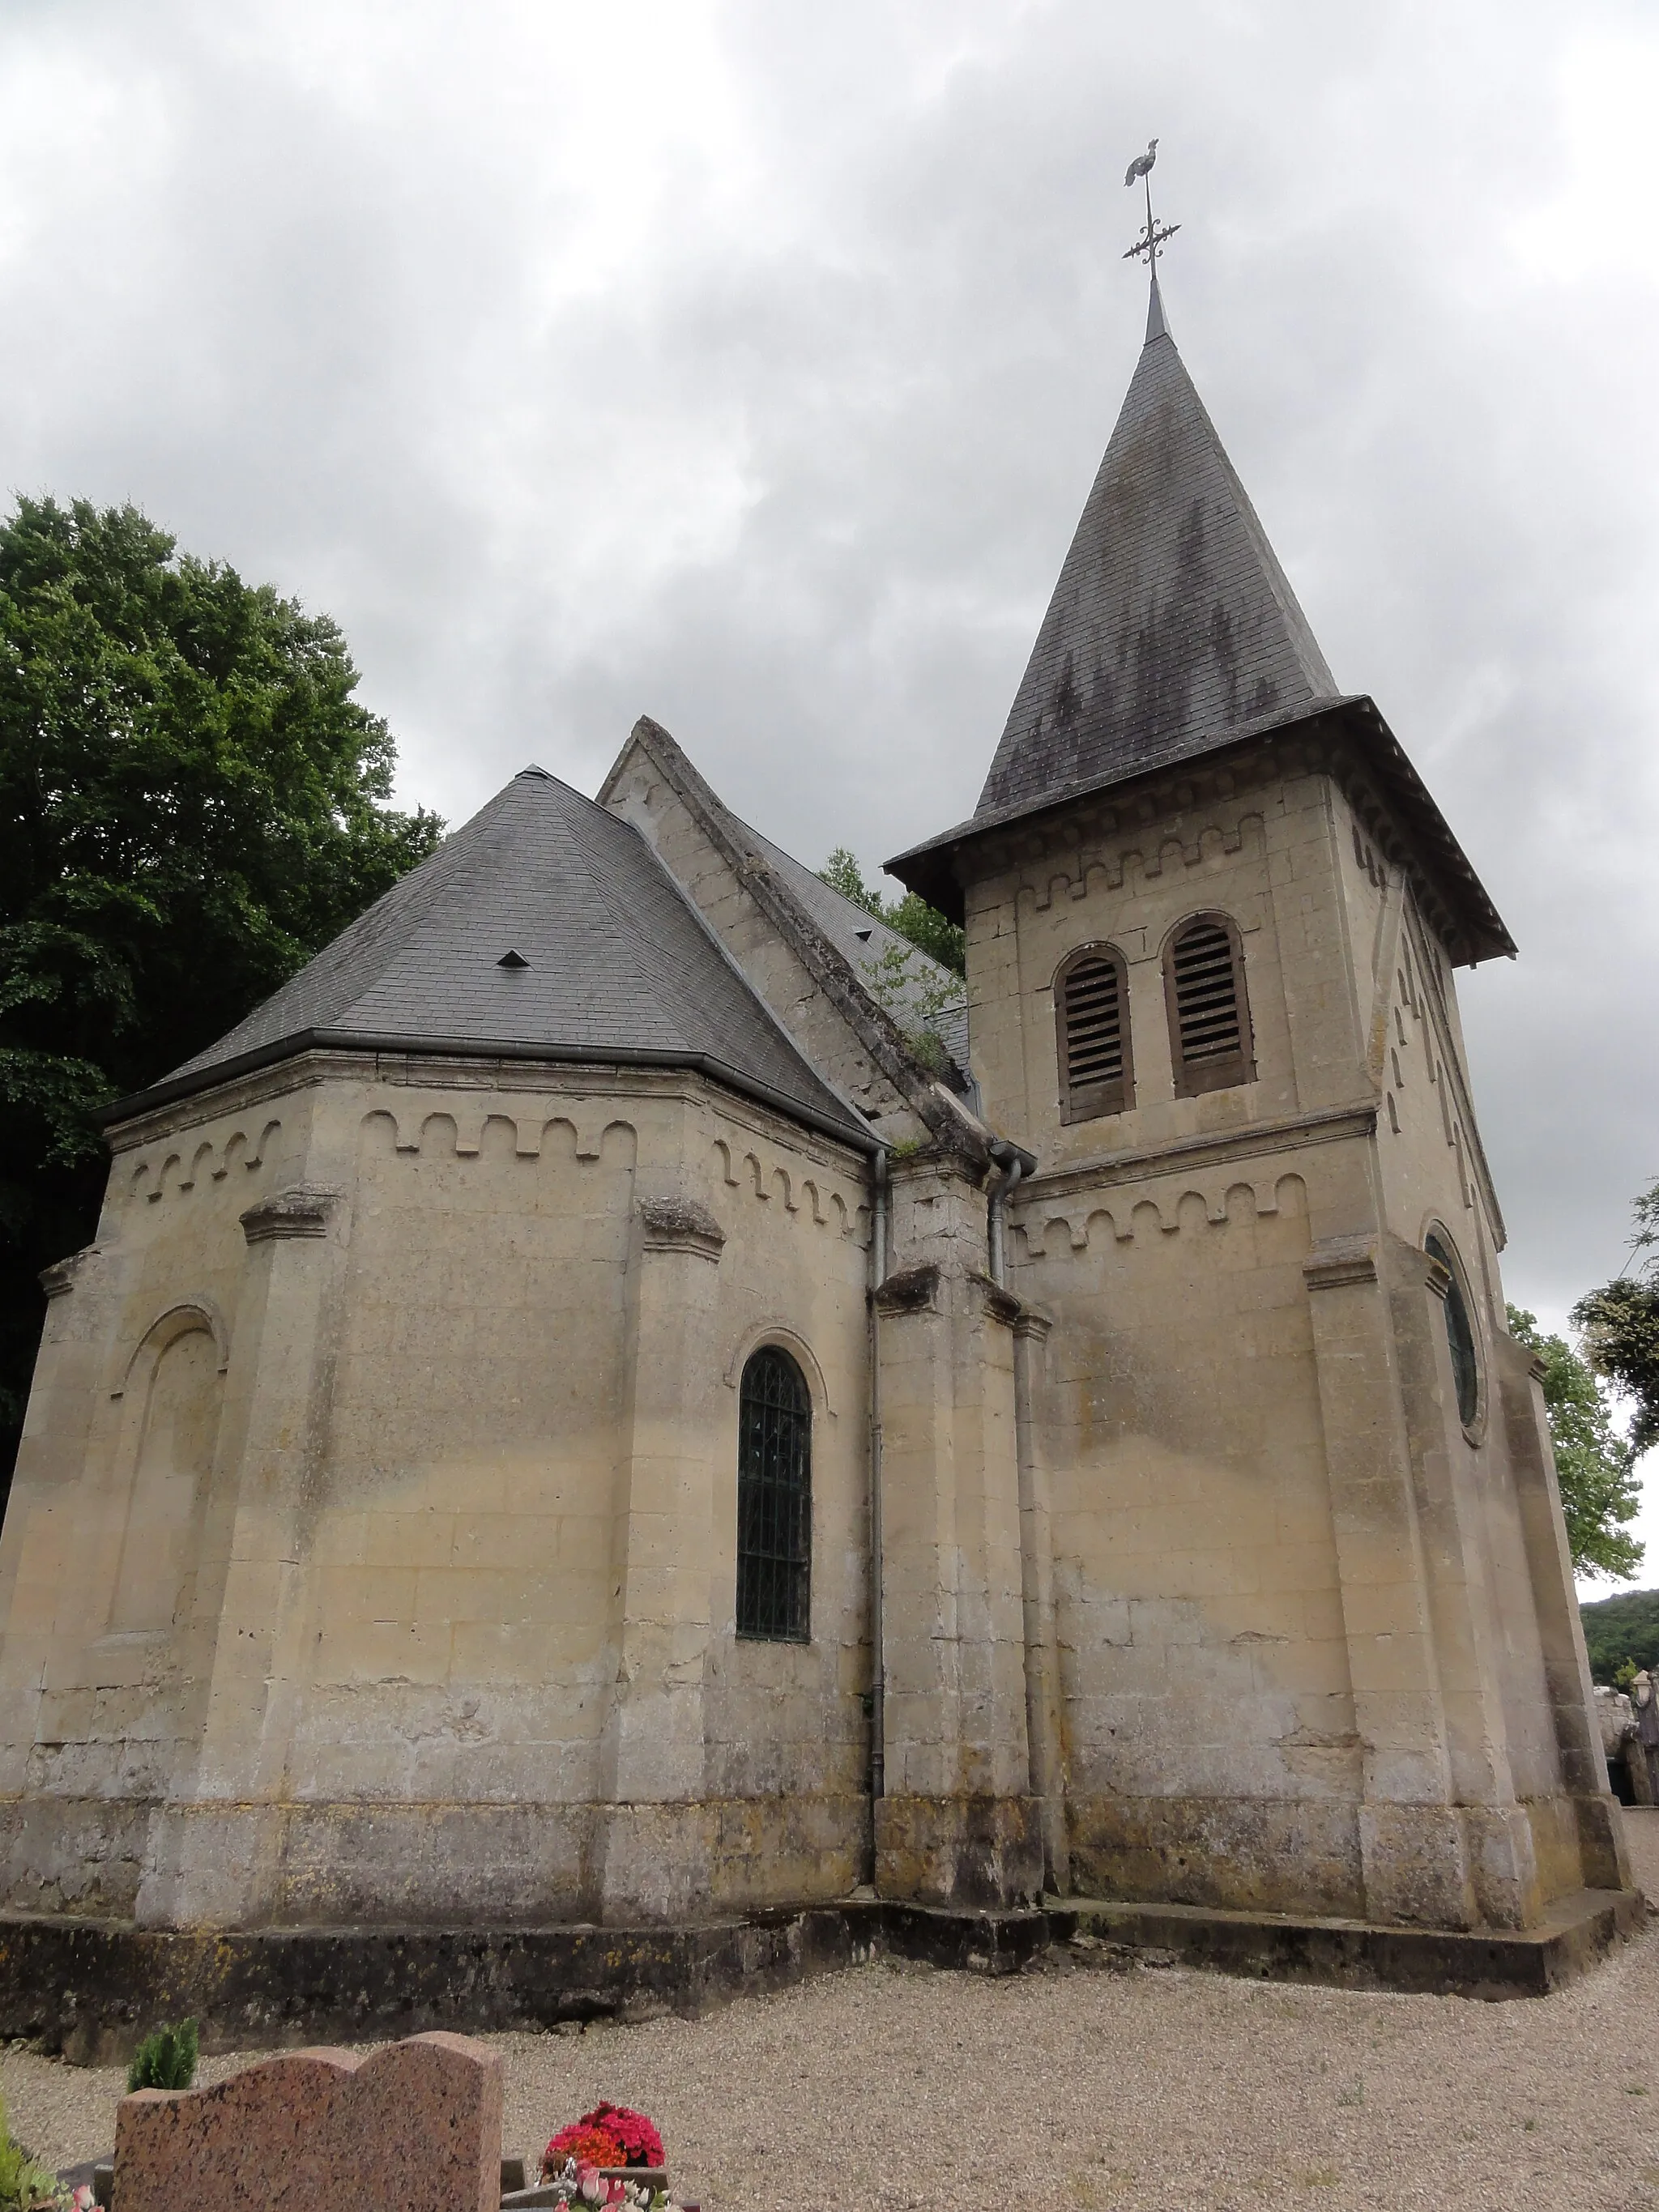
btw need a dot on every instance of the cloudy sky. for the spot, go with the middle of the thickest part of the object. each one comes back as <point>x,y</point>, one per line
<point>747,364</point>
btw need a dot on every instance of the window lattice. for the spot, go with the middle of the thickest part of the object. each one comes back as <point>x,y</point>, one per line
<point>775,1499</point>
<point>1206,993</point>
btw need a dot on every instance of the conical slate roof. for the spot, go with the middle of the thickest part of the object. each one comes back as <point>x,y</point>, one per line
<point>606,960</point>
<point>1172,628</point>
<point>1173,633</point>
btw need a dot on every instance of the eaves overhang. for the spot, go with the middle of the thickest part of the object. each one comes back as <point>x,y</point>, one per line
<point>1340,737</point>
<point>450,1048</point>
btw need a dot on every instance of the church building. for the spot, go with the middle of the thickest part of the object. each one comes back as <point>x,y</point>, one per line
<point>624,1395</point>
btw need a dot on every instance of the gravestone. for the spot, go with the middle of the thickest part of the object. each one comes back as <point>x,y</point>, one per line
<point>415,2127</point>
<point>1628,1771</point>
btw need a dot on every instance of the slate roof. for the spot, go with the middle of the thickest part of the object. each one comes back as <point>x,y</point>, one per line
<point>1172,626</point>
<point>619,966</point>
<point>1172,633</point>
<point>921,992</point>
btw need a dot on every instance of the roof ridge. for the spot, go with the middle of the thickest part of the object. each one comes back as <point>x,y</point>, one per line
<point>870,1021</point>
<point>720,945</point>
<point>877,921</point>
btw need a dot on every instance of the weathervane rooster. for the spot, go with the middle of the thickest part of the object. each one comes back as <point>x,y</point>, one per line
<point>1151,240</point>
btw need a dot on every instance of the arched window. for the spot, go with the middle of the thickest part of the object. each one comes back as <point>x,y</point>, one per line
<point>775,1499</point>
<point>1091,1021</point>
<point>1460,1332</point>
<point>1209,1014</point>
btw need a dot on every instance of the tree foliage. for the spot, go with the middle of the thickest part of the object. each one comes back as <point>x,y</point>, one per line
<point>910,916</point>
<point>1621,1634</point>
<point>193,804</point>
<point>1593,1461</point>
<point>1621,1323</point>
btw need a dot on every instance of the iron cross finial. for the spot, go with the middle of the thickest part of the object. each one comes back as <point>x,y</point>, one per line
<point>1151,239</point>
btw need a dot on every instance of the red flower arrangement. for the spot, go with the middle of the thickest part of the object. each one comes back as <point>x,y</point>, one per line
<point>610,2135</point>
<point>641,2144</point>
<point>588,2145</point>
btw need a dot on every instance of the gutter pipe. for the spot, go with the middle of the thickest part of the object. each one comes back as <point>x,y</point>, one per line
<point>1014,1162</point>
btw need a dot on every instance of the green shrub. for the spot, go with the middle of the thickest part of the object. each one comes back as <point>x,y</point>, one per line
<point>166,2059</point>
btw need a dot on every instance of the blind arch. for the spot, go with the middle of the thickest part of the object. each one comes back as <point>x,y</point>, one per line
<point>1092,1033</point>
<point>775,1499</point>
<point>1210,1047</point>
<point>180,1389</point>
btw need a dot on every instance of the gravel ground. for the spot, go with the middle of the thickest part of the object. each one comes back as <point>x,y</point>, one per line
<point>1149,2091</point>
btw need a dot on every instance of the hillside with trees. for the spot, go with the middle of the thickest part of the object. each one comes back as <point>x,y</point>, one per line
<point>1622,1633</point>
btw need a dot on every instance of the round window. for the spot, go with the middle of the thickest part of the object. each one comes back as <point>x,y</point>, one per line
<point>1459,1333</point>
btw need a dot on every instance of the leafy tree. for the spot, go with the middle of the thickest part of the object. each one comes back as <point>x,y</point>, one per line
<point>910,916</point>
<point>1621,1634</point>
<point>1599,1492</point>
<point>1621,1323</point>
<point>192,803</point>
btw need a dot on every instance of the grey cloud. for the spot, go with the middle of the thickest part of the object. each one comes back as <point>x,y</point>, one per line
<point>768,404</point>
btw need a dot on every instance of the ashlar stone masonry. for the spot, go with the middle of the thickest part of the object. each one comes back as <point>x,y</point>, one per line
<point>1145,1499</point>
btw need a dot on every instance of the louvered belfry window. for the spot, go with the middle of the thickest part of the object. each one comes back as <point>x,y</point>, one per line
<point>1209,1015</point>
<point>775,1499</point>
<point>1092,1015</point>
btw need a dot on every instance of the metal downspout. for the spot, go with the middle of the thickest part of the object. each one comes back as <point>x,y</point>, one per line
<point>1004,1191</point>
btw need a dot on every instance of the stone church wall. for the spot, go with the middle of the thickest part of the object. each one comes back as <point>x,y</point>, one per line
<point>1295,1600</point>
<point>344,1608</point>
<point>115,1550</point>
<point>1505,1730</point>
<point>1208,1710</point>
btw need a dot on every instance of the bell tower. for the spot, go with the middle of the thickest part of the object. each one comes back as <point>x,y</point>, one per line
<point>1313,1627</point>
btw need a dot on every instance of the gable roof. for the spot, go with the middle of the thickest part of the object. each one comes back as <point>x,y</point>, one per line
<point>1172,626</point>
<point>617,965</point>
<point>820,930</point>
<point>896,972</point>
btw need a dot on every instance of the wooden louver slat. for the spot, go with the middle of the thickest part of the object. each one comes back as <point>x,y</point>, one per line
<point>1094,1044</point>
<point>1094,1024</point>
<point>1212,1034</point>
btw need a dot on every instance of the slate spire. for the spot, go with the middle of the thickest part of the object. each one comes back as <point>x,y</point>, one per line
<point>1172,628</point>
<point>1156,326</point>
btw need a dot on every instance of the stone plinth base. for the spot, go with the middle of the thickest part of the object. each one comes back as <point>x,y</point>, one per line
<point>1575,1932</point>
<point>91,1989</point>
<point>972,1854</point>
